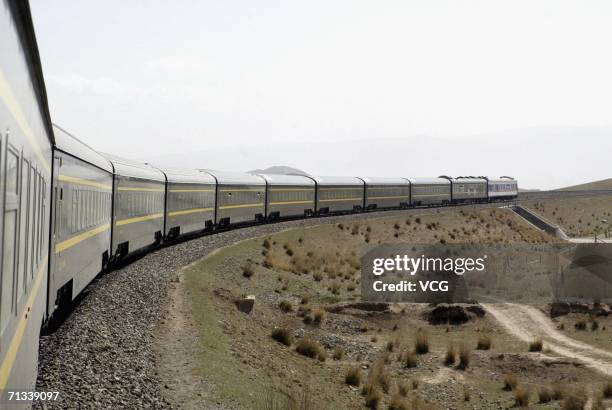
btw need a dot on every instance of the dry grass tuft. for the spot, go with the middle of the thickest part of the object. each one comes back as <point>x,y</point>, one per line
<point>247,270</point>
<point>338,353</point>
<point>545,394</point>
<point>521,397</point>
<point>410,359</point>
<point>580,324</point>
<point>536,345</point>
<point>451,355</point>
<point>421,342</point>
<point>353,376</point>
<point>399,403</point>
<point>318,316</point>
<point>484,342</point>
<point>607,389</point>
<point>510,382</point>
<point>310,348</point>
<point>373,399</point>
<point>285,306</point>
<point>282,335</point>
<point>465,355</point>
<point>575,400</point>
<point>558,391</point>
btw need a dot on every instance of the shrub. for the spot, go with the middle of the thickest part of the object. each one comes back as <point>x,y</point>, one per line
<point>266,243</point>
<point>311,348</point>
<point>285,306</point>
<point>353,376</point>
<point>594,325</point>
<point>398,403</point>
<point>558,392</point>
<point>575,400</point>
<point>607,389</point>
<point>484,342</point>
<point>390,346</point>
<point>304,300</point>
<point>318,316</point>
<point>338,353</point>
<point>380,377</point>
<point>282,335</point>
<point>510,382</point>
<point>421,343</point>
<point>317,276</point>
<point>464,357</point>
<point>580,325</point>
<point>521,397</point>
<point>451,356</point>
<point>247,270</point>
<point>536,345</point>
<point>545,394</point>
<point>410,359</point>
<point>335,288</point>
<point>373,398</point>
<point>415,384</point>
<point>403,389</point>
<point>466,394</point>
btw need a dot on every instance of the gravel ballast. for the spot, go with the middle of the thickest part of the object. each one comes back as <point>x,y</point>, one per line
<point>102,355</point>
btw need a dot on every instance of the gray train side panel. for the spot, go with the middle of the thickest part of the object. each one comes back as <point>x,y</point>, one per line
<point>190,207</point>
<point>387,196</point>
<point>25,190</point>
<point>138,217</point>
<point>430,194</point>
<point>240,203</point>
<point>80,230</point>
<point>290,200</point>
<point>339,198</point>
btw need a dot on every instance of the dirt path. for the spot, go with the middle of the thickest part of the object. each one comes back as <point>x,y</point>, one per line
<point>527,322</point>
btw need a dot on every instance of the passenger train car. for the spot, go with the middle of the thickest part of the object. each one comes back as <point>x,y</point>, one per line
<point>26,141</point>
<point>69,212</point>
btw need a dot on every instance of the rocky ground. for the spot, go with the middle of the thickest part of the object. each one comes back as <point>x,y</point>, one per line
<point>102,355</point>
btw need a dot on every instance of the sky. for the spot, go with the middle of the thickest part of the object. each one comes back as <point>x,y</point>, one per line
<point>150,78</point>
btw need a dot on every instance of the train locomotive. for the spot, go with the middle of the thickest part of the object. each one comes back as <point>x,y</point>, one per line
<point>70,212</point>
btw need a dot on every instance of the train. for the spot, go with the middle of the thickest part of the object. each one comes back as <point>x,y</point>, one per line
<point>70,212</point>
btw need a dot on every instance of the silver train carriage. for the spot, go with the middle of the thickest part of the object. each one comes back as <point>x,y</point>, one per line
<point>381,193</point>
<point>138,206</point>
<point>502,188</point>
<point>339,194</point>
<point>241,198</point>
<point>429,191</point>
<point>468,189</point>
<point>190,202</point>
<point>81,218</point>
<point>289,196</point>
<point>26,140</point>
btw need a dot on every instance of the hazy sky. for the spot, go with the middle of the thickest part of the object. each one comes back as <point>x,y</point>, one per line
<point>155,77</point>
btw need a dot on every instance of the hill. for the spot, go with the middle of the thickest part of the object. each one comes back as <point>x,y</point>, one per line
<point>604,184</point>
<point>279,170</point>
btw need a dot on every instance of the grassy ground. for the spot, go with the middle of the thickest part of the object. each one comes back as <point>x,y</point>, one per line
<point>302,280</point>
<point>579,217</point>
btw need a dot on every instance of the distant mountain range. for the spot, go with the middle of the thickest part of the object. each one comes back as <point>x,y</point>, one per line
<point>541,157</point>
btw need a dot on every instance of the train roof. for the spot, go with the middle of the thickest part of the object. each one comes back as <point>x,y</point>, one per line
<point>428,181</point>
<point>24,27</point>
<point>504,180</point>
<point>470,180</point>
<point>236,178</point>
<point>70,144</point>
<point>134,169</point>
<point>187,176</point>
<point>331,180</point>
<point>281,179</point>
<point>385,181</point>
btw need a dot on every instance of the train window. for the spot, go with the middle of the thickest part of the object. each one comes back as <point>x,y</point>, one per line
<point>23,241</point>
<point>9,237</point>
